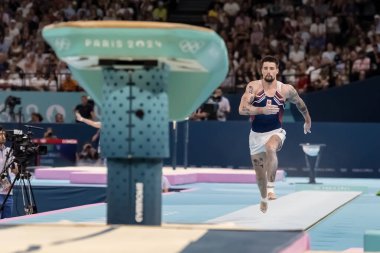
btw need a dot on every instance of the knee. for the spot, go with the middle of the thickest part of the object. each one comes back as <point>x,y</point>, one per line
<point>270,149</point>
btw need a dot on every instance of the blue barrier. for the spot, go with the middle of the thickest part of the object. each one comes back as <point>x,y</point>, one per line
<point>351,148</point>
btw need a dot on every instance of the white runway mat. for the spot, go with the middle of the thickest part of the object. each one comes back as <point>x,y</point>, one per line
<point>296,211</point>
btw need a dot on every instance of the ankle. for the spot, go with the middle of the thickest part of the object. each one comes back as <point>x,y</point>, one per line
<point>270,187</point>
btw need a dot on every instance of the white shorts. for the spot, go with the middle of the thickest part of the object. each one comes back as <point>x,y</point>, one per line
<point>257,141</point>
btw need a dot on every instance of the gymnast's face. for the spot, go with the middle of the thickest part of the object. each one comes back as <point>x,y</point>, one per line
<point>269,71</point>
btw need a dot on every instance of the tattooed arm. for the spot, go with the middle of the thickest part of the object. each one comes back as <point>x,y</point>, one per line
<point>246,107</point>
<point>294,98</point>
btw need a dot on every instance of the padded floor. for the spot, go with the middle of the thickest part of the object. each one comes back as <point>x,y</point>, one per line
<point>61,238</point>
<point>296,211</point>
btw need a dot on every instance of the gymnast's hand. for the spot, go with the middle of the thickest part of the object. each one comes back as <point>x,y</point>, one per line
<point>307,127</point>
<point>270,109</point>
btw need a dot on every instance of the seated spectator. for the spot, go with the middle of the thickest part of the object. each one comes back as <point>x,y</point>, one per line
<point>323,81</point>
<point>5,44</point>
<point>29,64</point>
<point>160,13</point>
<point>69,84</point>
<point>145,10</point>
<point>38,82</point>
<point>88,154</point>
<point>231,7</point>
<point>314,72</point>
<point>4,65</point>
<point>51,83</point>
<point>318,34</point>
<point>257,34</point>
<point>302,82</point>
<point>59,118</point>
<point>328,56</point>
<point>297,55</point>
<point>332,27</point>
<point>49,134</point>
<point>361,67</point>
<point>287,30</point>
<point>289,74</point>
<point>200,114</point>
<point>36,118</point>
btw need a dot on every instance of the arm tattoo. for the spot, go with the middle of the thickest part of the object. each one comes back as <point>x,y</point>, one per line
<point>245,110</point>
<point>246,103</point>
<point>295,99</point>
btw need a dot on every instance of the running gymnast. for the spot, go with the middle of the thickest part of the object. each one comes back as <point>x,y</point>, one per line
<point>264,101</point>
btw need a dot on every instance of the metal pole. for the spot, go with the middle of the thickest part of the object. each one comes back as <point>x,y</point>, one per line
<point>175,140</point>
<point>311,170</point>
<point>186,144</point>
<point>316,164</point>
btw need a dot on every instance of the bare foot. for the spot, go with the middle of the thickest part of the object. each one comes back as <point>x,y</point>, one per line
<point>263,206</point>
<point>271,196</point>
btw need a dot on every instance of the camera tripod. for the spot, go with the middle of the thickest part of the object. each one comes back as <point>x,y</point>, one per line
<point>23,175</point>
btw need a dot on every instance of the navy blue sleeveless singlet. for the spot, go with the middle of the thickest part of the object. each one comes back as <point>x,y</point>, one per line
<point>265,123</point>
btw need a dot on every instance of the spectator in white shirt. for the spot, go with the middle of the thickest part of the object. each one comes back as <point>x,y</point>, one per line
<point>318,34</point>
<point>38,82</point>
<point>13,30</point>
<point>328,56</point>
<point>231,8</point>
<point>289,74</point>
<point>297,55</point>
<point>361,66</point>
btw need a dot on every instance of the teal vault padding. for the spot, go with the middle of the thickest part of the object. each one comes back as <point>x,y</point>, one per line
<point>197,56</point>
<point>135,113</point>
<point>125,203</point>
<point>135,141</point>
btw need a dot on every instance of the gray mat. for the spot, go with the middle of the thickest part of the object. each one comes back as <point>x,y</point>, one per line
<point>293,212</point>
<point>64,238</point>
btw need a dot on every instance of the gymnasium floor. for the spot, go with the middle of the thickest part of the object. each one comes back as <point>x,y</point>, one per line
<point>204,203</point>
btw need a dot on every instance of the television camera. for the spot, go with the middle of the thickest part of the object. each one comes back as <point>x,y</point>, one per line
<point>20,154</point>
<point>24,150</point>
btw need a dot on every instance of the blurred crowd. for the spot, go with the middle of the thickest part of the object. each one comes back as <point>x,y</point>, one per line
<point>28,63</point>
<point>320,43</point>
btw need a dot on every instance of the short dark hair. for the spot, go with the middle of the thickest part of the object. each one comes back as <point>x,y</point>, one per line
<point>269,58</point>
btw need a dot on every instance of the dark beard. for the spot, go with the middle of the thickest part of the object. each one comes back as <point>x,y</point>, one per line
<point>268,79</point>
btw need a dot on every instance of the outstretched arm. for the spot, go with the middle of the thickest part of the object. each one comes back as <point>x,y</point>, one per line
<point>294,98</point>
<point>96,124</point>
<point>246,107</point>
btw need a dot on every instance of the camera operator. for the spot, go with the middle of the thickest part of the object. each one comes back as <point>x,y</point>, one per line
<point>223,103</point>
<point>6,177</point>
<point>215,108</point>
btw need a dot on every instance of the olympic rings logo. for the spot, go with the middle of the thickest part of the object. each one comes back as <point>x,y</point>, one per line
<point>62,44</point>
<point>190,46</point>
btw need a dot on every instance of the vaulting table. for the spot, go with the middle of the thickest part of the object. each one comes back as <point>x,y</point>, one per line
<point>141,75</point>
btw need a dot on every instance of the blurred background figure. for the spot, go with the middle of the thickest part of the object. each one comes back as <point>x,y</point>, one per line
<point>36,118</point>
<point>88,155</point>
<point>59,118</point>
